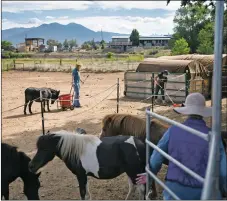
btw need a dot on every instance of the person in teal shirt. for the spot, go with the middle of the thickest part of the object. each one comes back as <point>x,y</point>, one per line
<point>76,84</point>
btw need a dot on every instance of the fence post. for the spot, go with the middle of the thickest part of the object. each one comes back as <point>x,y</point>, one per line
<point>41,102</point>
<point>14,64</point>
<point>152,99</point>
<point>186,83</point>
<point>117,95</point>
<point>211,185</point>
<point>148,120</point>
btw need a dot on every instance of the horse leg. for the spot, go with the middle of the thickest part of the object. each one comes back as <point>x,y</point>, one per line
<point>25,106</point>
<point>131,189</point>
<point>30,106</point>
<point>48,106</point>
<point>5,192</point>
<point>83,185</point>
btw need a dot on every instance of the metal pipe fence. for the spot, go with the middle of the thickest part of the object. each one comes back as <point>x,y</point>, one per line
<point>211,181</point>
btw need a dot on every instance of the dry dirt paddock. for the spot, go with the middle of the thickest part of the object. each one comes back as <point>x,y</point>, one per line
<point>57,182</point>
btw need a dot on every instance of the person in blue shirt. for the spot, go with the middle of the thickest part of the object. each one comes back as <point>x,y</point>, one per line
<point>189,149</point>
<point>76,84</point>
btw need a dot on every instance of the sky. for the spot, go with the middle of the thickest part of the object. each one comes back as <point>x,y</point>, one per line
<point>148,17</point>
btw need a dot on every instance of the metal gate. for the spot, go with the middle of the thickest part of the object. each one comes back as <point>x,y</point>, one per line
<point>211,180</point>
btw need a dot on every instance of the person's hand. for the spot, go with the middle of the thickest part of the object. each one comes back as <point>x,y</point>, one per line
<point>73,84</point>
<point>141,178</point>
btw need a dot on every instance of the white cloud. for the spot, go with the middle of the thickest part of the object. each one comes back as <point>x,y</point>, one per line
<point>145,25</point>
<point>50,17</point>
<point>19,6</point>
<point>36,6</point>
<point>173,5</point>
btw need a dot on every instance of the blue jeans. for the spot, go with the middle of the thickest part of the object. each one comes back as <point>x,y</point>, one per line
<point>76,102</point>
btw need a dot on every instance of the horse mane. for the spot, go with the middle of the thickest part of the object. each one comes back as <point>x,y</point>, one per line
<point>72,145</point>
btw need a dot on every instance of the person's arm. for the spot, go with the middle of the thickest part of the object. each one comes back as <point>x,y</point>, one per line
<point>223,169</point>
<point>157,159</point>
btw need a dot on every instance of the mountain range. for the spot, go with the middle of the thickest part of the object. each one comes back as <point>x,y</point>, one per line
<point>58,32</point>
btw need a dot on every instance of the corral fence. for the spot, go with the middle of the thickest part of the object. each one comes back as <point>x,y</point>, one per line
<point>139,85</point>
<point>102,65</point>
<point>211,181</point>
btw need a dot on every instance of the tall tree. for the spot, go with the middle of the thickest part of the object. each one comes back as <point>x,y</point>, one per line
<point>206,39</point>
<point>102,43</point>
<point>52,42</point>
<point>189,20</point>
<point>134,37</point>
<point>7,45</point>
<point>66,44</point>
<point>72,43</point>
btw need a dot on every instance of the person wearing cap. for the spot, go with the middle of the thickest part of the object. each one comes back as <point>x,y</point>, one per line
<point>76,84</point>
<point>160,81</point>
<point>190,150</point>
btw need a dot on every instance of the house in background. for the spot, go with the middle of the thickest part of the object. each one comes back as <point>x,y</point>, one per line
<point>123,42</point>
<point>32,44</point>
<point>120,42</point>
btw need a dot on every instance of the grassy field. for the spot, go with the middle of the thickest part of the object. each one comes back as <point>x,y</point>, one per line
<point>8,64</point>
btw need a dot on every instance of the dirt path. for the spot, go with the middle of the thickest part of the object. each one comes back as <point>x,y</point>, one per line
<point>56,180</point>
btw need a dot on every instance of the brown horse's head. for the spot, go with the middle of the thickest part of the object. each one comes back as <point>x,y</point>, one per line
<point>109,127</point>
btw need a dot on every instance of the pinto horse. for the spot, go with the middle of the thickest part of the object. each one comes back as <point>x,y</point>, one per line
<point>33,94</point>
<point>87,155</point>
<point>14,165</point>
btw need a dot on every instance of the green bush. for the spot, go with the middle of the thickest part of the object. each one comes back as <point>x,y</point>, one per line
<point>110,55</point>
<point>180,47</point>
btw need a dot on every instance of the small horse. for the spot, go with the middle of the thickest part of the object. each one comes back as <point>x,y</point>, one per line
<point>87,155</point>
<point>33,94</point>
<point>14,165</point>
<point>125,124</point>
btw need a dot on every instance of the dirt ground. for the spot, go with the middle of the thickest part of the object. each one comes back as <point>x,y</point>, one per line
<point>57,182</point>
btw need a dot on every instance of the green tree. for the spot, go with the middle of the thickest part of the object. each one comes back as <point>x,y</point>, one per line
<point>59,45</point>
<point>52,42</point>
<point>174,38</point>
<point>72,43</point>
<point>7,46</point>
<point>188,21</point>
<point>180,47</point>
<point>134,37</point>
<point>102,43</point>
<point>206,39</point>
<point>66,44</point>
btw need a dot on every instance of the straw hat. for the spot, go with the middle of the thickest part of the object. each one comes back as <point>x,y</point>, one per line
<point>195,104</point>
<point>78,65</point>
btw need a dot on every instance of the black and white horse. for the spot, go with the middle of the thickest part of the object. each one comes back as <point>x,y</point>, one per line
<point>33,94</point>
<point>87,155</point>
<point>14,165</point>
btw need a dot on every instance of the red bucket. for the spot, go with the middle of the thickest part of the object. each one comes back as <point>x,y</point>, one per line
<point>65,100</point>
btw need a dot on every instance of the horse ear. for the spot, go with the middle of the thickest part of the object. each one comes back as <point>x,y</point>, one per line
<point>59,92</point>
<point>38,174</point>
<point>48,132</point>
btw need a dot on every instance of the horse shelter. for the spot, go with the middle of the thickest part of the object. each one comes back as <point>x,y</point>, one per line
<point>208,62</point>
<point>185,77</point>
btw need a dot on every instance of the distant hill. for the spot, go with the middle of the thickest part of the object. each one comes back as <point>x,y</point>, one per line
<point>56,31</point>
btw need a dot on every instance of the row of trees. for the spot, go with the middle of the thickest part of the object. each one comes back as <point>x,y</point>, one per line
<point>69,44</point>
<point>194,28</point>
